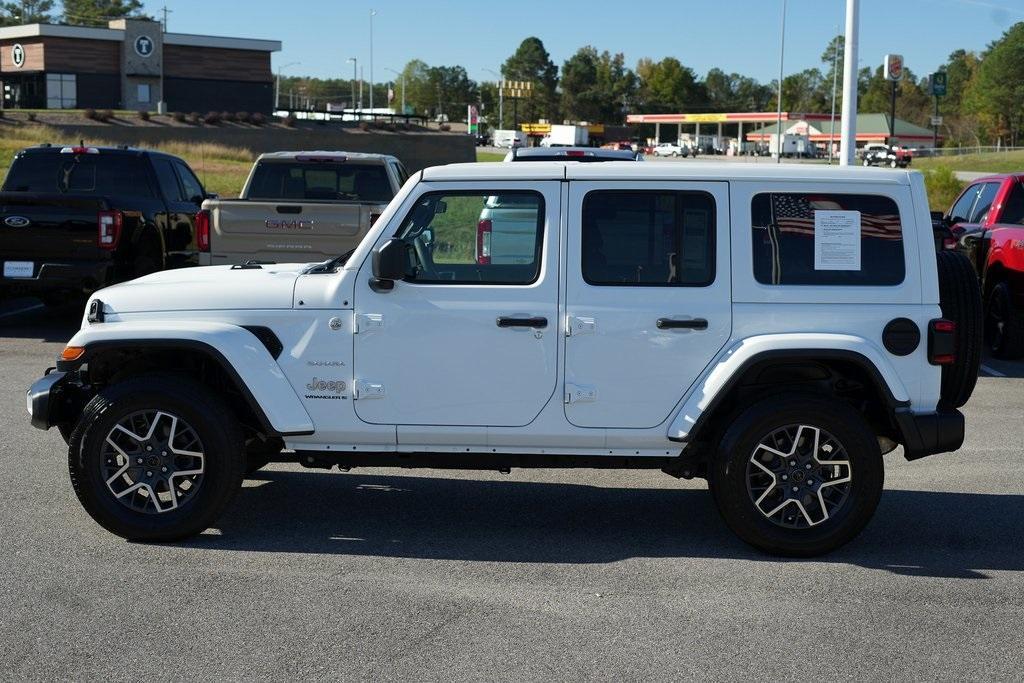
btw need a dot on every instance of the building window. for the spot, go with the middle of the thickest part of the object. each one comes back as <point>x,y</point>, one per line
<point>142,94</point>
<point>61,91</point>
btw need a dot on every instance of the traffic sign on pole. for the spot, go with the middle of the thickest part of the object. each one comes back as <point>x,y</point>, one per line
<point>938,80</point>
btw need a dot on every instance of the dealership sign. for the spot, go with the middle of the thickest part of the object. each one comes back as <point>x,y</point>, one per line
<point>144,46</point>
<point>18,55</point>
<point>893,67</point>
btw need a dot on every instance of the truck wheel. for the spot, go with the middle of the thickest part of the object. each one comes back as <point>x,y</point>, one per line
<point>156,458</point>
<point>960,300</point>
<point>1004,324</point>
<point>797,476</point>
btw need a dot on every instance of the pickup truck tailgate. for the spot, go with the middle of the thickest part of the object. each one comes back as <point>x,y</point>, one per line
<point>262,230</point>
<point>43,227</point>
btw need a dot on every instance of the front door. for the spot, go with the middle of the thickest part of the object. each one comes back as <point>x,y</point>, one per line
<point>469,337</point>
<point>647,297</point>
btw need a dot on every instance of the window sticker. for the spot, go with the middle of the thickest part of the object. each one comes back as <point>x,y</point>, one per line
<point>837,240</point>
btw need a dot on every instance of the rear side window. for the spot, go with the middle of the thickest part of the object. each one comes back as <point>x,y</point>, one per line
<point>321,180</point>
<point>826,239</point>
<point>1013,207</point>
<point>193,188</point>
<point>168,180</point>
<point>103,174</point>
<point>648,238</point>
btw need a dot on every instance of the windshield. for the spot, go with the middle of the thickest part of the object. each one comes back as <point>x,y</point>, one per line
<point>338,181</point>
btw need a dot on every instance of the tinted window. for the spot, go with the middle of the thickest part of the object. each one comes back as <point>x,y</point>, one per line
<point>168,180</point>
<point>648,238</point>
<point>321,180</point>
<point>784,235</point>
<point>189,182</point>
<point>103,174</point>
<point>961,211</point>
<point>473,238</point>
<point>984,203</point>
<point>1013,207</point>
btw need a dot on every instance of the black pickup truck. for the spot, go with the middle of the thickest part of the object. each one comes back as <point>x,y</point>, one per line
<point>76,219</point>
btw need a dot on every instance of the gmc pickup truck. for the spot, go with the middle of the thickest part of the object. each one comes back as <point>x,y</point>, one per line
<point>987,221</point>
<point>301,206</point>
<point>76,219</point>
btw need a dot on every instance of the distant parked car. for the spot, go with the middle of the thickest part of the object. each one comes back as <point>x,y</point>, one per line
<point>893,156</point>
<point>671,149</point>
<point>76,219</point>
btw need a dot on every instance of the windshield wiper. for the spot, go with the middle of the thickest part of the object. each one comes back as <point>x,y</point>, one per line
<point>332,265</point>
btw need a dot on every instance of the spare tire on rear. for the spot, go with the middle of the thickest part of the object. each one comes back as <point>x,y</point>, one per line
<point>960,300</point>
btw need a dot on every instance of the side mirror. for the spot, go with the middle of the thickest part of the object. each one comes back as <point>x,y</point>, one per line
<point>389,262</point>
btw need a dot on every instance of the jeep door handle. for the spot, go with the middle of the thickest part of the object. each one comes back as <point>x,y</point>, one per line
<point>505,321</point>
<point>691,324</point>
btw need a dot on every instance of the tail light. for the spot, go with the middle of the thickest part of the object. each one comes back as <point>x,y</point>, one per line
<point>949,243</point>
<point>373,218</point>
<point>942,342</point>
<point>203,230</point>
<point>483,241</point>
<point>108,224</point>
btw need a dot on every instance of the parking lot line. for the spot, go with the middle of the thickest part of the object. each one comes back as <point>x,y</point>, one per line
<point>8,314</point>
<point>994,373</point>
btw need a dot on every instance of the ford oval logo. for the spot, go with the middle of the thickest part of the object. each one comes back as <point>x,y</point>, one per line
<point>17,221</point>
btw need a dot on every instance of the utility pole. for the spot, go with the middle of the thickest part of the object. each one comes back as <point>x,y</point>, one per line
<point>501,98</point>
<point>373,13</point>
<point>782,53</point>
<point>402,76</point>
<point>847,135</point>
<point>360,93</point>
<point>277,84</point>
<point>161,105</point>
<point>355,64</point>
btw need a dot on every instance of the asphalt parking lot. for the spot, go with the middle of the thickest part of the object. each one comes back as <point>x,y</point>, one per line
<point>381,574</point>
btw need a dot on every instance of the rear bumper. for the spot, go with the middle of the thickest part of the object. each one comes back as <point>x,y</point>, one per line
<point>65,275</point>
<point>930,433</point>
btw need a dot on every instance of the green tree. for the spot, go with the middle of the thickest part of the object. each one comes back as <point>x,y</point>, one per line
<point>668,86</point>
<point>99,12</point>
<point>26,12</point>
<point>997,89</point>
<point>805,92</point>
<point>531,62</point>
<point>596,87</point>
<point>912,101</point>
<point>453,90</point>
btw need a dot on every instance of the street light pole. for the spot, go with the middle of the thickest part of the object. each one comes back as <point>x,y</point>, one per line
<point>847,142</point>
<point>355,69</point>
<point>835,78</point>
<point>782,54</point>
<point>373,13</point>
<point>501,98</point>
<point>277,83</point>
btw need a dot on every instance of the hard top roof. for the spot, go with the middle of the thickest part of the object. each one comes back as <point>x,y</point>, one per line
<point>696,171</point>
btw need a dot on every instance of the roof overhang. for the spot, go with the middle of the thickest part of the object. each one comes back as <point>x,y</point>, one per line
<point>117,35</point>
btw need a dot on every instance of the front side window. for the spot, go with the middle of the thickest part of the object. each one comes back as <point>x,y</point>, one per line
<point>648,238</point>
<point>961,210</point>
<point>812,238</point>
<point>474,238</point>
<point>984,203</point>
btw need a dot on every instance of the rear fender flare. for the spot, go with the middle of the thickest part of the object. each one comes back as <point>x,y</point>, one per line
<point>239,352</point>
<point>732,362</point>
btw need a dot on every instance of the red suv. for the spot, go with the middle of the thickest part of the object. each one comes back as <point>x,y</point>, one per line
<point>987,220</point>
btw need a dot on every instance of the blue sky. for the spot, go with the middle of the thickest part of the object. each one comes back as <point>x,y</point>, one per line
<point>741,35</point>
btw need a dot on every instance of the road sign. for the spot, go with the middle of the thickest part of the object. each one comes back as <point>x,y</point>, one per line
<point>936,121</point>
<point>939,84</point>
<point>892,68</point>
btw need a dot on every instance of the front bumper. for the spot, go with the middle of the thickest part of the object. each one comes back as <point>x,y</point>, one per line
<point>930,433</point>
<point>46,399</point>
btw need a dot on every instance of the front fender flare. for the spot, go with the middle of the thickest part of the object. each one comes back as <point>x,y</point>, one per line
<point>733,361</point>
<point>239,352</point>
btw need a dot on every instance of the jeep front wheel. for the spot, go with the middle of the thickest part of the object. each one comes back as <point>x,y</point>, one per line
<point>798,476</point>
<point>156,458</point>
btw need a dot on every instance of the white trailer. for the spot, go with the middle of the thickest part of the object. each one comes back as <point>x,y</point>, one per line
<point>566,136</point>
<point>509,138</point>
<point>790,145</point>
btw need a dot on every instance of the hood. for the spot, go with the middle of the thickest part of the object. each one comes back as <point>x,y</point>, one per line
<point>205,288</point>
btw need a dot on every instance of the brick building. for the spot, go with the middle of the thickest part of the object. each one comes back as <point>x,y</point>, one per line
<point>125,65</point>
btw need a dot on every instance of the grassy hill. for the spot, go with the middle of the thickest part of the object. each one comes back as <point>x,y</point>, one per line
<point>988,162</point>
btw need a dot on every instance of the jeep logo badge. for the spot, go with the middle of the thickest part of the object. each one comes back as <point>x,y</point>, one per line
<point>17,221</point>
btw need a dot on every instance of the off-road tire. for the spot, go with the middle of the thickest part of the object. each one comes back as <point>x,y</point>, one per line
<point>211,420</point>
<point>1008,342</point>
<point>960,300</point>
<point>728,474</point>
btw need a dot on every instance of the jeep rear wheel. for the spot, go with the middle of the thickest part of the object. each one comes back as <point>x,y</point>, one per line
<point>155,458</point>
<point>960,300</point>
<point>797,476</point>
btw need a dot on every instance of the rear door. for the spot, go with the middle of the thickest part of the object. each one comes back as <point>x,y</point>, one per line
<point>647,297</point>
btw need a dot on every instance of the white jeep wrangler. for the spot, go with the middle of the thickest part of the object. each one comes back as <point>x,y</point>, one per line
<point>773,329</point>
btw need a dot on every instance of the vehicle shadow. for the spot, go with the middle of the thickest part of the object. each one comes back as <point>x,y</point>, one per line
<point>923,533</point>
